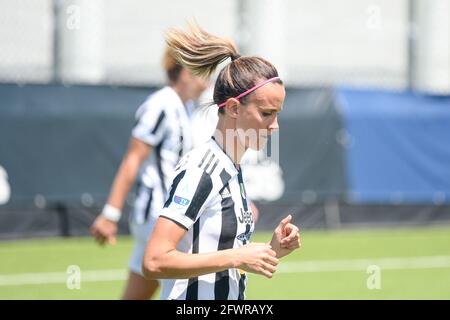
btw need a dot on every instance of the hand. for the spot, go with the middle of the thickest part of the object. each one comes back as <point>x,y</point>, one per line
<point>286,238</point>
<point>104,231</point>
<point>257,258</point>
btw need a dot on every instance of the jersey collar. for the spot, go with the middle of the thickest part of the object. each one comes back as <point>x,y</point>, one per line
<point>226,161</point>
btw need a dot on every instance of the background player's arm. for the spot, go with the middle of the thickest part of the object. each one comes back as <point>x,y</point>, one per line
<point>137,152</point>
<point>255,211</point>
<point>103,229</point>
<point>162,260</point>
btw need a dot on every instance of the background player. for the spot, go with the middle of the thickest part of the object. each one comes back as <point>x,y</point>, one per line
<point>161,136</point>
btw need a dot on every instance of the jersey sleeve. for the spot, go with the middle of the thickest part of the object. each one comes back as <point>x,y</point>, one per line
<point>151,123</point>
<point>190,194</point>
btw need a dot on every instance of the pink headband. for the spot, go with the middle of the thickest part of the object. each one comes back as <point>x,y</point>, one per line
<point>251,90</point>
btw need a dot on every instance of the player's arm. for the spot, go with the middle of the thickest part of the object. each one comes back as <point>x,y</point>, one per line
<point>104,227</point>
<point>162,260</point>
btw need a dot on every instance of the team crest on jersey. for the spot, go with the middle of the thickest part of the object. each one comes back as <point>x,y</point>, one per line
<point>181,201</point>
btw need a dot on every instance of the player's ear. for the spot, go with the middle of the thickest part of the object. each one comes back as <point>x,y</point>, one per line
<point>232,107</point>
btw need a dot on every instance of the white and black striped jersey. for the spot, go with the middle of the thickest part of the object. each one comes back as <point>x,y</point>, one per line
<point>162,121</point>
<point>207,198</point>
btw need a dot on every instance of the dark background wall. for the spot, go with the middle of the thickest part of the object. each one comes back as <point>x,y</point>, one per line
<point>349,158</point>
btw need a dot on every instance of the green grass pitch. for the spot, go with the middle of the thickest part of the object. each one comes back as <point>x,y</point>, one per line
<point>412,264</point>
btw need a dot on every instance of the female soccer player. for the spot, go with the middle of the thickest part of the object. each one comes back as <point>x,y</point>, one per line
<point>200,244</point>
<point>161,136</point>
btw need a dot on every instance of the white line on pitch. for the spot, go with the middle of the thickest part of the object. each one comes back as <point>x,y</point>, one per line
<point>430,262</point>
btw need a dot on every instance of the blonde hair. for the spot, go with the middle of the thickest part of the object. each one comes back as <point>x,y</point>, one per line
<point>171,65</point>
<point>201,53</point>
<point>198,50</point>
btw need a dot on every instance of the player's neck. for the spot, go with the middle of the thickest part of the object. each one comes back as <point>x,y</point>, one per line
<point>179,90</point>
<point>226,137</point>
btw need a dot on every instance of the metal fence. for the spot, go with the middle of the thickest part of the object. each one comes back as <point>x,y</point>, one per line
<point>366,43</point>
